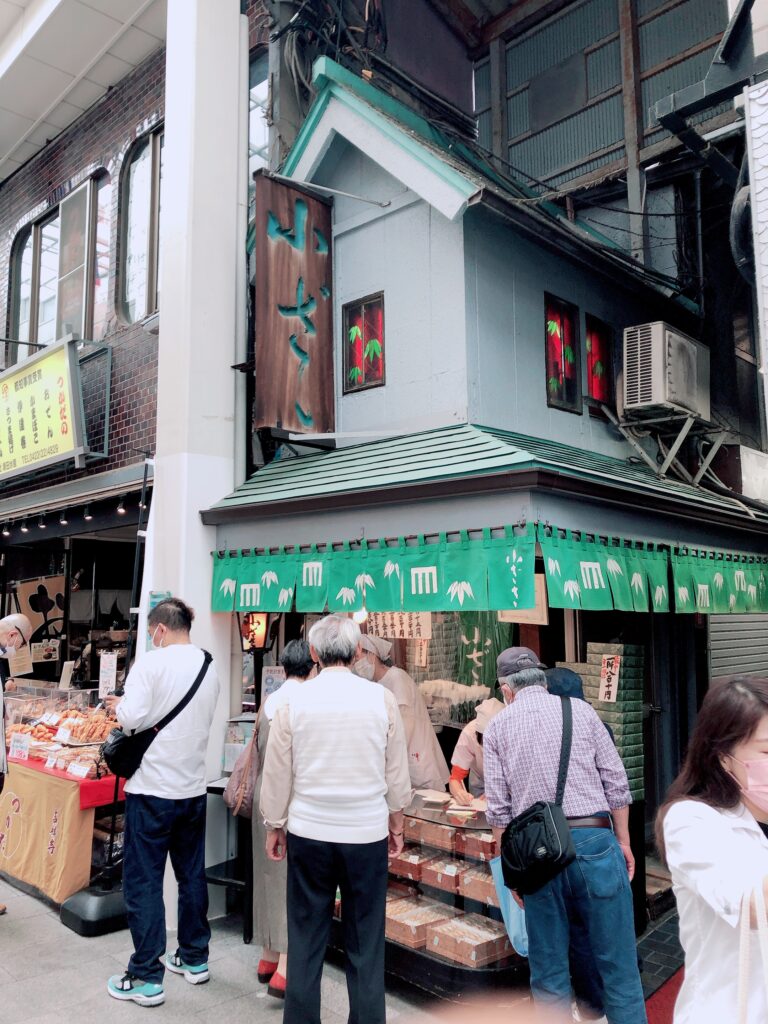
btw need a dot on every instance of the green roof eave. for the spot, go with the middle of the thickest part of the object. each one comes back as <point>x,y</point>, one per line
<point>386,114</point>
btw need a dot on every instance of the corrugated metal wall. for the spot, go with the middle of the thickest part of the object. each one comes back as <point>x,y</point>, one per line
<point>738,644</point>
<point>565,148</point>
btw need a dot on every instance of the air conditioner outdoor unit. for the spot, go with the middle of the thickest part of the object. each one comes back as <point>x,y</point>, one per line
<point>665,370</point>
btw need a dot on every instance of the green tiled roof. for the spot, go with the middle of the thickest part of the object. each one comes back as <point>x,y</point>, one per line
<point>451,453</point>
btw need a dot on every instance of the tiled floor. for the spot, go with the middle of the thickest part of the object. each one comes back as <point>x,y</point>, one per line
<point>661,952</point>
<point>50,975</point>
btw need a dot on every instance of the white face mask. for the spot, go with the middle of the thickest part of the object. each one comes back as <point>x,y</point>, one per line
<point>363,667</point>
<point>155,646</point>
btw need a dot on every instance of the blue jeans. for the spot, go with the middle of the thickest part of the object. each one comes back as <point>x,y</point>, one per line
<point>155,828</point>
<point>595,890</point>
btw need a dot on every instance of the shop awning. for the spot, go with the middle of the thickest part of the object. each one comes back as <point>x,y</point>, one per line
<point>466,459</point>
<point>491,570</point>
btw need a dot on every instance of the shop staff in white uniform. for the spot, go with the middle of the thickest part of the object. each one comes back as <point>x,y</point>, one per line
<point>427,766</point>
<point>712,830</point>
<point>467,759</point>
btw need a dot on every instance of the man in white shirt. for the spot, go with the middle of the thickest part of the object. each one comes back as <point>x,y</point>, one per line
<point>165,806</point>
<point>336,778</point>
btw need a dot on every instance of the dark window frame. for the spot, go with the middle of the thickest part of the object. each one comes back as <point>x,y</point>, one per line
<point>347,387</point>
<point>566,308</point>
<point>154,140</point>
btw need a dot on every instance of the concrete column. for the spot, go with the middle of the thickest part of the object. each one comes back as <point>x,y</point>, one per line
<point>203,259</point>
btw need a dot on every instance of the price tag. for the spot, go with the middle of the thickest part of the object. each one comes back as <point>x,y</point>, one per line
<point>107,673</point>
<point>50,762</point>
<point>66,675</point>
<point>54,719</point>
<point>20,662</point>
<point>62,735</point>
<point>20,746</point>
<point>80,771</point>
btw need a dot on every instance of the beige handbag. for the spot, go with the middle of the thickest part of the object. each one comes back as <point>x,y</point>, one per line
<point>745,949</point>
<point>241,785</point>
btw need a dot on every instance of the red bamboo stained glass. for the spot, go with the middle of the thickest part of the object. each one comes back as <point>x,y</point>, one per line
<point>599,360</point>
<point>562,355</point>
<point>363,342</point>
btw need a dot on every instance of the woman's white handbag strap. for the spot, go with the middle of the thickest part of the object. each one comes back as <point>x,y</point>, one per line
<point>745,943</point>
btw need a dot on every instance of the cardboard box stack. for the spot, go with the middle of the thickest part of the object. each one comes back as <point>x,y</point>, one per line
<point>625,716</point>
<point>407,920</point>
<point>477,884</point>
<point>471,940</point>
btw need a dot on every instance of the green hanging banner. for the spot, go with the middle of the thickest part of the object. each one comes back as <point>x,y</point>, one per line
<point>482,639</point>
<point>248,593</point>
<point>276,574</point>
<point>384,566</point>
<point>224,582</point>
<point>596,569</point>
<point>657,567</point>
<point>720,583</point>
<point>619,576</point>
<point>511,561</point>
<point>311,580</point>
<point>684,583</point>
<point>347,580</point>
<point>560,568</point>
<point>464,574</point>
<point>423,589</point>
<point>637,569</point>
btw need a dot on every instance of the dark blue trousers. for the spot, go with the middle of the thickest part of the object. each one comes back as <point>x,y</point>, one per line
<point>315,870</point>
<point>154,829</point>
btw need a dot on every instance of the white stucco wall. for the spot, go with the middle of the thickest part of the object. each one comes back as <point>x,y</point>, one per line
<point>416,257</point>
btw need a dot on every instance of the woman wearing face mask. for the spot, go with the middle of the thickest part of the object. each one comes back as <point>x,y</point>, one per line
<point>427,766</point>
<point>713,831</point>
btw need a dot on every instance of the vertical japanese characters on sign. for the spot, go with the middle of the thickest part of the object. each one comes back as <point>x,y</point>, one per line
<point>610,671</point>
<point>294,312</point>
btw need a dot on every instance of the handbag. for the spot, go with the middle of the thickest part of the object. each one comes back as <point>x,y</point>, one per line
<point>241,785</point>
<point>537,845</point>
<point>745,941</point>
<point>124,751</point>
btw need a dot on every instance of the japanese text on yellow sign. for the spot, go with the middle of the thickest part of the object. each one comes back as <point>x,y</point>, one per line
<point>36,423</point>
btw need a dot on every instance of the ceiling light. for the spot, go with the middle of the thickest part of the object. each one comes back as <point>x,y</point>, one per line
<point>6,531</point>
<point>24,527</point>
<point>63,521</point>
<point>41,523</point>
<point>87,514</point>
<point>121,507</point>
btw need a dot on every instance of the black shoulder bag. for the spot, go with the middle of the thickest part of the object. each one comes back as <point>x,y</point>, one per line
<point>124,751</point>
<point>538,844</point>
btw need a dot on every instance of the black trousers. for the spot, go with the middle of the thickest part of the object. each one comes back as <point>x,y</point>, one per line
<point>315,870</point>
<point>155,828</point>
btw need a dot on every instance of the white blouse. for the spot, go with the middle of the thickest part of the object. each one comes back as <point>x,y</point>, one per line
<point>715,856</point>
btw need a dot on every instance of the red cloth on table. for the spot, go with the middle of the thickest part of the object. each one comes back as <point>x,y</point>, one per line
<point>93,792</point>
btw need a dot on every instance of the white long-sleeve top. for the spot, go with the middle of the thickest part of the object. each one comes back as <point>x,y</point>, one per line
<point>174,765</point>
<point>336,761</point>
<point>715,857</point>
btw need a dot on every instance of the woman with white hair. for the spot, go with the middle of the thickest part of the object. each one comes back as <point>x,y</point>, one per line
<point>426,762</point>
<point>334,787</point>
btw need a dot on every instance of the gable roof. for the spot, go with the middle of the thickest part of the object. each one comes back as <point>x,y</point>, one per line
<point>464,459</point>
<point>447,172</point>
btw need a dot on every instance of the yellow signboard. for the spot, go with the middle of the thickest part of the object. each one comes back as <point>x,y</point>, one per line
<point>39,422</point>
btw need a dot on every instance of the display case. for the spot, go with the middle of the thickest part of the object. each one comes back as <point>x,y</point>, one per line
<point>444,929</point>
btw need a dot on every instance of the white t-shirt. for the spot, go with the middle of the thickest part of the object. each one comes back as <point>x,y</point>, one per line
<point>426,763</point>
<point>715,857</point>
<point>174,765</point>
<point>280,697</point>
<point>468,754</point>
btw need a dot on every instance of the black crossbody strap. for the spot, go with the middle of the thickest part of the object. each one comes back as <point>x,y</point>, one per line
<point>207,659</point>
<point>565,748</point>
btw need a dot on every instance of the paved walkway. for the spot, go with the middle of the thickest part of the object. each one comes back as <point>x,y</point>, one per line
<point>50,975</point>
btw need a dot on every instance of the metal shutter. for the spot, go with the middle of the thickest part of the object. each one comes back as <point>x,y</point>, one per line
<point>738,644</point>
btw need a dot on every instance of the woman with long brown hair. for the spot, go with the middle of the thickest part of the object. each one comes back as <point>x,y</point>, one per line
<point>713,832</point>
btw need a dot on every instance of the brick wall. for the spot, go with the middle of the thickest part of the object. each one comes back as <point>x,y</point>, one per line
<point>100,139</point>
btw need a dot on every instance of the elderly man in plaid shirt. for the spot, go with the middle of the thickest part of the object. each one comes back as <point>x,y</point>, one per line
<point>521,751</point>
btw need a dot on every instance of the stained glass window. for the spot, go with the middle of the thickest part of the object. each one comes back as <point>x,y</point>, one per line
<point>599,360</point>
<point>562,355</point>
<point>364,343</point>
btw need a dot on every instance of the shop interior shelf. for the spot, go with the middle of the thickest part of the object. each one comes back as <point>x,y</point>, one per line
<point>227,873</point>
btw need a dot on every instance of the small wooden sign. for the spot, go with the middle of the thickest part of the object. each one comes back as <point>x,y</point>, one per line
<point>401,625</point>
<point>610,671</point>
<point>536,616</point>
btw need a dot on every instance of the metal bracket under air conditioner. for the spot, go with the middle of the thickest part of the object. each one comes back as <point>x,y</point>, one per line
<point>670,460</point>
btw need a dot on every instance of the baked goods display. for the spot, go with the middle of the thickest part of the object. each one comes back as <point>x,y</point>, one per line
<point>65,738</point>
<point>471,940</point>
<point>450,908</point>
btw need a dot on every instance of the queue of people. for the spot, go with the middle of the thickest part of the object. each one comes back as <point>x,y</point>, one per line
<point>341,748</point>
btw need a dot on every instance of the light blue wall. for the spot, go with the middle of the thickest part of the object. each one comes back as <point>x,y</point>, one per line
<point>416,257</point>
<point>506,278</point>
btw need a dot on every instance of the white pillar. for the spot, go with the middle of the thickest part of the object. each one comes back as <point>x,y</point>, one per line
<point>203,230</point>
